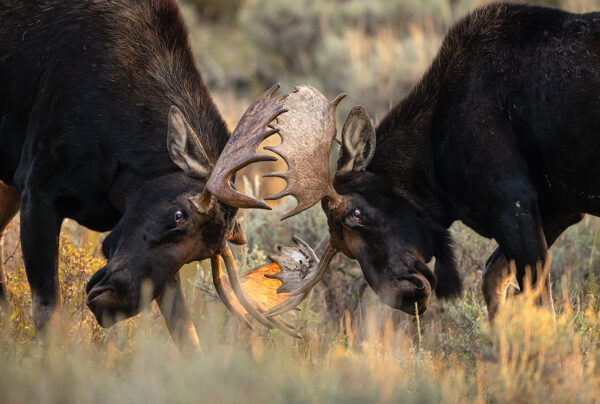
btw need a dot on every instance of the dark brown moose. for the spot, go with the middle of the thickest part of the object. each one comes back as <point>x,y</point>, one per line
<point>500,133</point>
<point>104,119</point>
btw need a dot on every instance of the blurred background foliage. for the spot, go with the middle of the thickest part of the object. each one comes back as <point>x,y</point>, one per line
<point>354,349</point>
<point>374,50</point>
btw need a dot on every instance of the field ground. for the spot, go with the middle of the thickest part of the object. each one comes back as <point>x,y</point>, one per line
<point>353,348</point>
<point>365,353</point>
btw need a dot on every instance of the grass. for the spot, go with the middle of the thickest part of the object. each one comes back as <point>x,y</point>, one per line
<point>353,348</point>
<point>373,354</point>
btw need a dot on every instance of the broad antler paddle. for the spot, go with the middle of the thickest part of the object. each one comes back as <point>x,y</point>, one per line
<point>307,134</point>
<point>307,131</point>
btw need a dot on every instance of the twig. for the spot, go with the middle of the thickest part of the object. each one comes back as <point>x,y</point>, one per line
<point>12,255</point>
<point>209,292</point>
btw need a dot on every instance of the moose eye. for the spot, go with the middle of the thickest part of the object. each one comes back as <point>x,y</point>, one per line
<point>357,214</point>
<point>179,216</point>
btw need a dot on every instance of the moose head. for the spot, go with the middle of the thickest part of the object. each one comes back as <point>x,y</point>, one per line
<point>367,221</point>
<point>185,217</point>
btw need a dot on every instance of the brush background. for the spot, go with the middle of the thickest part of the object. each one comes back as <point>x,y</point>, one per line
<point>354,349</point>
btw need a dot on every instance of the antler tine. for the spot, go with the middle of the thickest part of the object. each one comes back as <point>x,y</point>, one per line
<point>240,150</point>
<point>249,305</point>
<point>300,271</point>
<point>284,326</point>
<point>226,298</point>
<point>286,306</point>
<point>245,300</point>
<point>307,134</point>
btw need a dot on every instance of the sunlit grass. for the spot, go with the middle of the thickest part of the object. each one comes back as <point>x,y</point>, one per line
<point>373,355</point>
<point>522,357</point>
<point>353,349</point>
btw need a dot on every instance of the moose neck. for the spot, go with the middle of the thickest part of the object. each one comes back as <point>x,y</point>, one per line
<point>404,149</point>
<point>157,74</point>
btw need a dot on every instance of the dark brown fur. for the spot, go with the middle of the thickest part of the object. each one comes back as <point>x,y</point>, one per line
<point>84,103</point>
<point>500,133</point>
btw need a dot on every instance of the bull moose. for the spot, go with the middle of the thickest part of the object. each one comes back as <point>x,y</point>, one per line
<point>500,133</point>
<point>105,119</point>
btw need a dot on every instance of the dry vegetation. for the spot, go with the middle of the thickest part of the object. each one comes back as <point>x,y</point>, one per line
<point>353,349</point>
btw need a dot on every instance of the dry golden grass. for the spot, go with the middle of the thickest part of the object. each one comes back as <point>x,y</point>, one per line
<point>347,355</point>
<point>452,355</point>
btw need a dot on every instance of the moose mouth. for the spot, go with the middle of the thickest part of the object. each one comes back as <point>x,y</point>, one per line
<point>408,288</point>
<point>105,303</point>
<point>107,307</point>
<point>410,294</point>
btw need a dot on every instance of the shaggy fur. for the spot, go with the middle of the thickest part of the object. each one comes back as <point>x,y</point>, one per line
<point>500,133</point>
<point>86,91</point>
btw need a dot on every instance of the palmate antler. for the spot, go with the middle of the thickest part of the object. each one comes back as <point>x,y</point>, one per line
<point>240,151</point>
<point>297,275</point>
<point>262,289</point>
<point>307,132</point>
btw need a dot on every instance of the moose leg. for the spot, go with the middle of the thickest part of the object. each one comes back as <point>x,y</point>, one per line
<point>497,277</point>
<point>177,316</point>
<point>496,281</point>
<point>40,229</point>
<point>9,206</point>
<point>519,230</point>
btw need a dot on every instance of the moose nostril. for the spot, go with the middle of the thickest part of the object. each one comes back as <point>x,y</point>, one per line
<point>96,279</point>
<point>413,278</point>
<point>97,291</point>
<point>419,283</point>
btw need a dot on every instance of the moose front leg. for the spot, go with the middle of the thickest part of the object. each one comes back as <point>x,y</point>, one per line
<point>177,316</point>
<point>496,280</point>
<point>497,277</point>
<point>40,229</point>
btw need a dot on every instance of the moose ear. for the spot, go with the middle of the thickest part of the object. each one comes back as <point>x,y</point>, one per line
<point>358,141</point>
<point>185,148</point>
